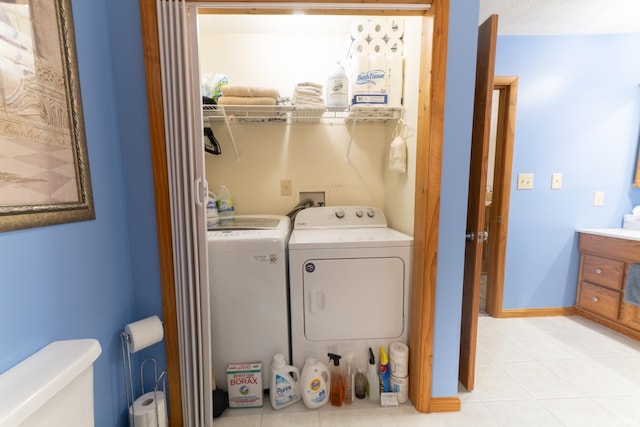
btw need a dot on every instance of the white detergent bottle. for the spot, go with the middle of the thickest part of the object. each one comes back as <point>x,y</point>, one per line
<point>225,202</point>
<point>212,210</point>
<point>337,88</point>
<point>284,383</point>
<point>314,383</point>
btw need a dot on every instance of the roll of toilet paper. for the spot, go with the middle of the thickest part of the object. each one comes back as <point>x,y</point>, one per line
<point>149,410</point>
<point>379,28</point>
<point>396,28</point>
<point>358,66</point>
<point>400,386</point>
<point>395,79</point>
<point>143,333</point>
<point>358,47</point>
<point>377,75</point>
<point>399,359</point>
<point>395,47</point>
<point>377,47</point>
<point>360,29</point>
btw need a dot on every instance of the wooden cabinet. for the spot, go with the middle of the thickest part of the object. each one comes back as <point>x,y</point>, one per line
<point>604,263</point>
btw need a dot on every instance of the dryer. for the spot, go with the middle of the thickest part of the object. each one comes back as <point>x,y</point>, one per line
<point>350,278</point>
<point>247,262</point>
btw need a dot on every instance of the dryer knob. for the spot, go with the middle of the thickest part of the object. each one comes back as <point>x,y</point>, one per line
<point>371,213</point>
<point>359,213</point>
<point>340,213</point>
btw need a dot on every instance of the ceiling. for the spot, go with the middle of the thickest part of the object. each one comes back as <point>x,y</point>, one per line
<point>554,17</point>
<point>515,17</point>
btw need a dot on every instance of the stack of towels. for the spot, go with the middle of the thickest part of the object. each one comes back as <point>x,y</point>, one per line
<point>308,94</point>
<point>248,95</point>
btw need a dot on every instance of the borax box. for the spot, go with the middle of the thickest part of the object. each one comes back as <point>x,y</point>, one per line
<point>244,383</point>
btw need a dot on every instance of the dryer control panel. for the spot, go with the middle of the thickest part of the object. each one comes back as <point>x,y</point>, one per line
<point>340,217</point>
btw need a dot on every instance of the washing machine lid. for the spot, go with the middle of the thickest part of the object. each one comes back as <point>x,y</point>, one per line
<point>249,222</point>
<point>348,238</point>
<point>250,227</point>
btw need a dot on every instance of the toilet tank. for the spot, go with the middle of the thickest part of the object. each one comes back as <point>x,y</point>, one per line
<point>54,386</point>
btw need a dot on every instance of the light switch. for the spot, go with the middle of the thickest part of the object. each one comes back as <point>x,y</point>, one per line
<point>556,181</point>
<point>525,181</point>
<point>285,187</point>
<point>598,198</point>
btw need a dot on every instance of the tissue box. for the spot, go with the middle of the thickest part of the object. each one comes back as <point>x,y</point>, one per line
<point>631,222</point>
<point>244,384</point>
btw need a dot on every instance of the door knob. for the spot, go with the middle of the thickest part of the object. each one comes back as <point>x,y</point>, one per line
<point>469,237</point>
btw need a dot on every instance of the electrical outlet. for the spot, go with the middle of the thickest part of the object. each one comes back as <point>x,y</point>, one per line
<point>556,181</point>
<point>285,187</point>
<point>598,198</point>
<point>525,181</point>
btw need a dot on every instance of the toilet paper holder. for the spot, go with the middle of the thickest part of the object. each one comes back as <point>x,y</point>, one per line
<point>128,378</point>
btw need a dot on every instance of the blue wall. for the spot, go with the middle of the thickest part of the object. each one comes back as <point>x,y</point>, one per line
<point>461,65</point>
<point>88,279</point>
<point>578,113</point>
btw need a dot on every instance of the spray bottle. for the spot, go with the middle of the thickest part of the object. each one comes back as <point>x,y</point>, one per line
<point>385,385</point>
<point>349,381</point>
<point>336,393</point>
<point>373,378</point>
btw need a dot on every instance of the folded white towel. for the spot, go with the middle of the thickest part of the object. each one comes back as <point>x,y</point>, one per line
<point>310,85</point>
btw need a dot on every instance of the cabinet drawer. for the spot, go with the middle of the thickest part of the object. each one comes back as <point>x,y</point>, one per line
<point>602,271</point>
<point>599,300</point>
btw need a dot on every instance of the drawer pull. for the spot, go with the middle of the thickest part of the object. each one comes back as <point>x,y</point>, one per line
<point>594,299</point>
<point>598,271</point>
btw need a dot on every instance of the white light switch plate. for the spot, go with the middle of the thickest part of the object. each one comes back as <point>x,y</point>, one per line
<point>598,198</point>
<point>556,181</point>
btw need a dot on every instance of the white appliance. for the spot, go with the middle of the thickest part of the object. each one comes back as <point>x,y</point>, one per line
<point>248,292</point>
<point>350,278</point>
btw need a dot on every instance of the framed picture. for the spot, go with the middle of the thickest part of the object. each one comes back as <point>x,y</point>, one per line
<point>44,168</point>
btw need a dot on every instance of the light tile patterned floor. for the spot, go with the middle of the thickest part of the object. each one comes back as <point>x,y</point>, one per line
<point>539,372</point>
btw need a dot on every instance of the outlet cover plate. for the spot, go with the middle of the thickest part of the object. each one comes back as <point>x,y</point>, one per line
<point>525,181</point>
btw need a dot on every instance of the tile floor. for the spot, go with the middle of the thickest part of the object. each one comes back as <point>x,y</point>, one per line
<point>542,372</point>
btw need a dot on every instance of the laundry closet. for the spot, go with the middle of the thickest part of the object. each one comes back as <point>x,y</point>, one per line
<point>266,162</point>
<point>275,136</point>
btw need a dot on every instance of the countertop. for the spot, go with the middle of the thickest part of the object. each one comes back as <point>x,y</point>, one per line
<point>620,233</point>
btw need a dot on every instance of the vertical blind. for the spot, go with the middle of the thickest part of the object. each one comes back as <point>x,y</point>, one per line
<point>187,189</point>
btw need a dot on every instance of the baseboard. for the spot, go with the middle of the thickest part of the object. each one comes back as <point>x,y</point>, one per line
<point>537,312</point>
<point>445,404</point>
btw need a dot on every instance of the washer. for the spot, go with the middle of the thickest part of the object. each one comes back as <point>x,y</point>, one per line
<point>248,292</point>
<point>350,279</point>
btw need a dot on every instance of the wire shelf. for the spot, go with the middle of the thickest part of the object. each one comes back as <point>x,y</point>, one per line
<point>295,114</point>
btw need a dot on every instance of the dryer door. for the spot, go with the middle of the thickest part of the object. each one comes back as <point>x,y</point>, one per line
<point>354,298</point>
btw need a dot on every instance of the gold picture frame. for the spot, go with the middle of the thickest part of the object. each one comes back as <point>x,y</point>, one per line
<point>44,166</point>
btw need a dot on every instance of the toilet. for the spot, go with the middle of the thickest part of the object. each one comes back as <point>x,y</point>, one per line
<point>55,383</point>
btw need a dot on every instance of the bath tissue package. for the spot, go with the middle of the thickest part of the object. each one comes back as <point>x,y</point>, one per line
<point>143,333</point>
<point>376,62</point>
<point>145,413</point>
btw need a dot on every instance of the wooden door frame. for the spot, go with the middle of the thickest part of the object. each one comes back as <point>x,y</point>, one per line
<point>507,87</point>
<point>430,133</point>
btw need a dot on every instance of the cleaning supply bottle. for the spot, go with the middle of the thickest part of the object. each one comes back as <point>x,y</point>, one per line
<point>385,385</point>
<point>337,381</point>
<point>284,383</point>
<point>314,381</point>
<point>373,378</point>
<point>349,382</point>
<point>337,88</point>
<point>360,385</point>
<point>225,202</point>
<point>212,210</point>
